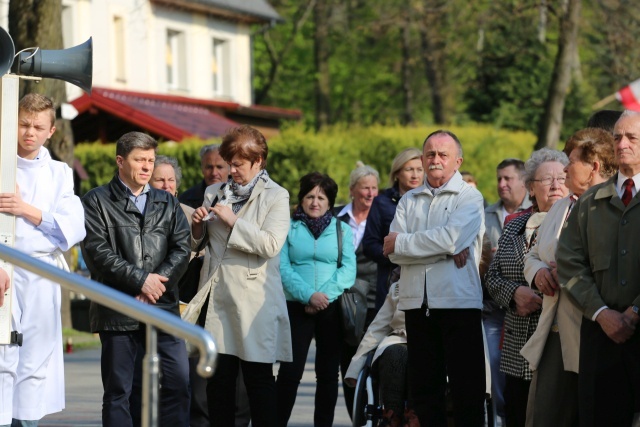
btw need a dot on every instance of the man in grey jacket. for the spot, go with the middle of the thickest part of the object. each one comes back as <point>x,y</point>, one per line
<point>436,238</point>
<point>513,198</point>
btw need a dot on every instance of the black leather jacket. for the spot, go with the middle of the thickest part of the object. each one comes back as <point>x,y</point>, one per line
<point>367,269</point>
<point>123,246</point>
<point>194,196</point>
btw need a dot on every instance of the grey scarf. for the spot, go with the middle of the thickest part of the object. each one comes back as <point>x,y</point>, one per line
<point>237,194</point>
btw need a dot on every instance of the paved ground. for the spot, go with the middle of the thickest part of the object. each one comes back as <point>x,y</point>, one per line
<point>84,394</point>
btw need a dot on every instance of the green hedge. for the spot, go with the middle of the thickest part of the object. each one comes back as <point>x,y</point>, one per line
<point>100,164</point>
<point>335,151</point>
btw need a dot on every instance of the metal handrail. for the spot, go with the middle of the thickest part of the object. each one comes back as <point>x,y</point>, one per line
<point>153,317</point>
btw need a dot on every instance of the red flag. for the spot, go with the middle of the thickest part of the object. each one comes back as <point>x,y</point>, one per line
<point>630,96</point>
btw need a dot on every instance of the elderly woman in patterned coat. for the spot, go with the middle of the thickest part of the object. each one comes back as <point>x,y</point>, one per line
<point>545,179</point>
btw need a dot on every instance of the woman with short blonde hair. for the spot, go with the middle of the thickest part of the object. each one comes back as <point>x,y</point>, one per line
<point>406,174</point>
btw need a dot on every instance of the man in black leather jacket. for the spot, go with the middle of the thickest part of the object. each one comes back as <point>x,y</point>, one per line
<point>138,243</point>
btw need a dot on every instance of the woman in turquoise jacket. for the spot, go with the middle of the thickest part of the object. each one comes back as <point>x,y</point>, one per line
<point>312,282</point>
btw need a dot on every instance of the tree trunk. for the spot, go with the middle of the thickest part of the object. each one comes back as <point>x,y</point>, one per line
<point>542,21</point>
<point>551,124</point>
<point>407,90</point>
<point>323,80</point>
<point>39,23</point>
<point>276,58</point>
<point>433,47</point>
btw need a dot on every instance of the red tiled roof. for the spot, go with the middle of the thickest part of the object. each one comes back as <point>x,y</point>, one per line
<point>175,117</point>
<point>172,120</point>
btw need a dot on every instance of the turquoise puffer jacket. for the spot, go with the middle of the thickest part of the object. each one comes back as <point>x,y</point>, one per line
<point>308,265</point>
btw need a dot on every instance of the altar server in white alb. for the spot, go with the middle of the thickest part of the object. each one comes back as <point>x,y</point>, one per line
<point>49,220</point>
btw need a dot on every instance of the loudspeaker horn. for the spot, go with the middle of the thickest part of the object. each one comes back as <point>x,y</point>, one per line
<point>7,51</point>
<point>73,65</point>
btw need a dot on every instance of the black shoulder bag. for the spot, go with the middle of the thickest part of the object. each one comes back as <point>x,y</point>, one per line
<point>353,303</point>
<point>188,283</point>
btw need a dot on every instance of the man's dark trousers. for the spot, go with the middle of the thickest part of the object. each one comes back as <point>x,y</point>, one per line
<point>446,343</point>
<point>609,380</point>
<point>121,363</point>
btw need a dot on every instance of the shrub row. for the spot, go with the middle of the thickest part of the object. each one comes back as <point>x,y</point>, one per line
<point>335,151</point>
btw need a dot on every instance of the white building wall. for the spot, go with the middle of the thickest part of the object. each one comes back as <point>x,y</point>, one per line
<point>145,31</point>
<point>4,11</point>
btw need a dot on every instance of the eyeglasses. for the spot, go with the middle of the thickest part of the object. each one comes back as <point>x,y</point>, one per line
<point>549,180</point>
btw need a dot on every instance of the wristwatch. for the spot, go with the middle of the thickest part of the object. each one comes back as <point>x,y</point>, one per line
<point>635,309</point>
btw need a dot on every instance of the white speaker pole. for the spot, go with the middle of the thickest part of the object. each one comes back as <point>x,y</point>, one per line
<point>9,85</point>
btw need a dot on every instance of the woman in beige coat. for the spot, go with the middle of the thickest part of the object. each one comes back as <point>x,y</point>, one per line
<point>553,349</point>
<point>240,298</point>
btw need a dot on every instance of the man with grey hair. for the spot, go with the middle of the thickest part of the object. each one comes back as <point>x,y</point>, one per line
<point>437,228</point>
<point>137,243</point>
<point>214,170</point>
<point>598,265</point>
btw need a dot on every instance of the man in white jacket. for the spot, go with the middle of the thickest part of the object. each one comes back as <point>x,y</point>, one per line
<point>436,237</point>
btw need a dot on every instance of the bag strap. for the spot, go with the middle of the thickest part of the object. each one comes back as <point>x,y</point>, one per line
<point>203,243</point>
<point>339,231</point>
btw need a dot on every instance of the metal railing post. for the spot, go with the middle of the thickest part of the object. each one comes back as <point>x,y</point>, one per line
<point>152,316</point>
<point>150,380</point>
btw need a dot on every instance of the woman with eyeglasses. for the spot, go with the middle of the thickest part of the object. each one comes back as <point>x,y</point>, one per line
<point>505,280</point>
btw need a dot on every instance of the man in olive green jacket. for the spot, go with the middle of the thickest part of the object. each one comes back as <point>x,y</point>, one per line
<point>598,265</point>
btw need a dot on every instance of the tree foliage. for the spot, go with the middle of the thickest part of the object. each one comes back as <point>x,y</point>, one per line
<point>448,61</point>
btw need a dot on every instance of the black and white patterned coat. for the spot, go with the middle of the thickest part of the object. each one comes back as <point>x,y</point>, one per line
<point>505,274</point>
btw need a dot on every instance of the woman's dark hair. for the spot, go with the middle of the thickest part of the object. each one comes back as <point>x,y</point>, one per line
<point>247,143</point>
<point>317,179</point>
<point>604,119</point>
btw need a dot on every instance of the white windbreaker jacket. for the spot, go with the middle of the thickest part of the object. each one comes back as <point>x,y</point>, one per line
<point>432,229</point>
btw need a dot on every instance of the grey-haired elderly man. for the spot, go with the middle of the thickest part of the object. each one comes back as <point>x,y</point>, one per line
<point>214,170</point>
<point>598,255</point>
<point>440,293</point>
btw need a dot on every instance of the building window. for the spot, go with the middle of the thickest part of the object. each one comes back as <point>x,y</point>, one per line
<point>175,60</point>
<point>119,49</point>
<point>220,67</point>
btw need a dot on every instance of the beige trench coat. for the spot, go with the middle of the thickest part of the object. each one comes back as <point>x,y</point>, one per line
<point>247,314</point>
<point>561,305</point>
